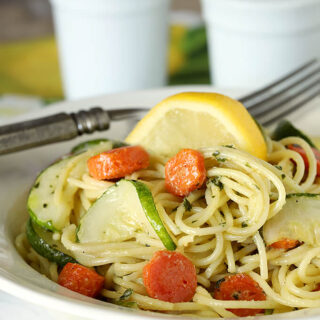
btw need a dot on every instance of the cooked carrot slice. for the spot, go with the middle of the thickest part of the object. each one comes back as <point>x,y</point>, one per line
<point>317,287</point>
<point>285,244</point>
<point>185,172</point>
<point>170,276</point>
<point>240,287</point>
<point>118,163</point>
<point>302,153</point>
<point>81,279</point>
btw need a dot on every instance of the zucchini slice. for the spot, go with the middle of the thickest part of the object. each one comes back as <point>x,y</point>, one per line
<point>123,209</point>
<point>285,129</point>
<point>41,241</point>
<point>51,210</point>
<point>84,146</point>
<point>42,206</point>
<point>299,219</point>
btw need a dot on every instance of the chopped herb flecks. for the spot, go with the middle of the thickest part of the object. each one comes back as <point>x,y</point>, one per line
<point>126,294</point>
<point>215,154</point>
<point>235,295</point>
<point>216,181</point>
<point>244,225</point>
<point>187,205</point>
<point>309,195</point>
<point>279,168</point>
<point>218,283</point>
<point>268,311</point>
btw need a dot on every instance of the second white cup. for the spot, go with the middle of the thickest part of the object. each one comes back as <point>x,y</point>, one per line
<point>109,46</point>
<point>254,42</point>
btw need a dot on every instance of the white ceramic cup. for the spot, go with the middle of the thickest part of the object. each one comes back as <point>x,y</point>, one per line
<point>252,42</point>
<point>109,46</point>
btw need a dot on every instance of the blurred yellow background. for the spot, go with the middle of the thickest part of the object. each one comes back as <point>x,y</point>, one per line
<point>29,59</point>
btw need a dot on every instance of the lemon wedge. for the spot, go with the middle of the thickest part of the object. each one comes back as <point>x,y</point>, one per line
<point>195,120</point>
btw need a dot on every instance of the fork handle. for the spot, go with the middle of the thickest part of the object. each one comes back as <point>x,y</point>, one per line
<point>55,128</point>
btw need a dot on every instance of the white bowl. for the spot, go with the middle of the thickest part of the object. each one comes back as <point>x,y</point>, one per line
<point>17,172</point>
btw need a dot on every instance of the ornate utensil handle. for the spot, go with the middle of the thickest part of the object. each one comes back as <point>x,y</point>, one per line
<point>55,128</point>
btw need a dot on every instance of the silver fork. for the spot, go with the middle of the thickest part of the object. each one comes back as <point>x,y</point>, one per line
<point>267,105</point>
<point>286,95</point>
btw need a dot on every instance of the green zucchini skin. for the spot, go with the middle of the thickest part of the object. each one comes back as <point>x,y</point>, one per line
<point>45,249</point>
<point>84,146</point>
<point>48,225</point>
<point>152,214</point>
<point>285,129</point>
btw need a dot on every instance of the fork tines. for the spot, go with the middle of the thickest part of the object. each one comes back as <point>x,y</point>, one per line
<point>285,95</point>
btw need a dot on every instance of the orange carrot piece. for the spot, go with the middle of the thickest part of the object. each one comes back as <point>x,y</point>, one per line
<point>302,153</point>
<point>170,276</point>
<point>285,244</point>
<point>81,279</point>
<point>239,287</point>
<point>118,163</point>
<point>317,287</point>
<point>185,172</point>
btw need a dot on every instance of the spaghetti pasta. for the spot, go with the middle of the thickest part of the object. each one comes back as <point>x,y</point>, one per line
<point>219,231</point>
